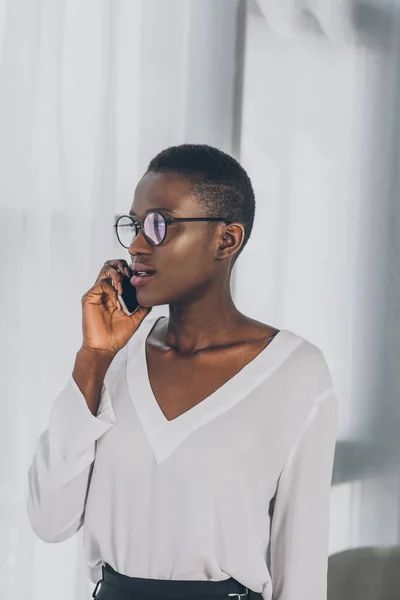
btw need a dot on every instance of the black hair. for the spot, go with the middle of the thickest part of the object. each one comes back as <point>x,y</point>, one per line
<point>219,182</point>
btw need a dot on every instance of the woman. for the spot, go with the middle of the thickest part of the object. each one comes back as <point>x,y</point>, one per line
<point>197,448</point>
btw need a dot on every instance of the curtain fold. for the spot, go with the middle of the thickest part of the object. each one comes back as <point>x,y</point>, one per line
<point>288,17</point>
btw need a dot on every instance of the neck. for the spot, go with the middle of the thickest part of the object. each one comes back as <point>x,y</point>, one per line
<point>208,322</point>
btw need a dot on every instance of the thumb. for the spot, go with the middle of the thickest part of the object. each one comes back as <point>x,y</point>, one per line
<point>140,314</point>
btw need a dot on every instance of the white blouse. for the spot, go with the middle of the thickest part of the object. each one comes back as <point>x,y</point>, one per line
<point>192,498</point>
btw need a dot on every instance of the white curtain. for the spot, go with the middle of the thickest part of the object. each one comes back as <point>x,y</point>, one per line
<point>90,90</point>
<point>332,17</point>
<point>320,142</point>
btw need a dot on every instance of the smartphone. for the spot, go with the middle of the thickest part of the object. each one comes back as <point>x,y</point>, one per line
<point>128,299</point>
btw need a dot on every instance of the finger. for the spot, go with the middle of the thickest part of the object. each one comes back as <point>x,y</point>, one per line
<point>102,292</point>
<point>113,275</point>
<point>120,265</point>
<point>140,314</point>
<point>124,268</point>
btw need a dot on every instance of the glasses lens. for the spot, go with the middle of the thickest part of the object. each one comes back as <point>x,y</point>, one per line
<point>155,228</point>
<point>126,231</point>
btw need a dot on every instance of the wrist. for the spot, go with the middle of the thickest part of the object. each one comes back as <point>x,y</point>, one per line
<point>93,361</point>
<point>96,353</point>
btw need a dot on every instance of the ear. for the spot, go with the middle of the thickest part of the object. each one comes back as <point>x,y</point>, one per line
<point>230,240</point>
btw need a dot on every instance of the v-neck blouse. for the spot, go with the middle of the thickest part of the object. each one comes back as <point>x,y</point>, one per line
<point>237,486</point>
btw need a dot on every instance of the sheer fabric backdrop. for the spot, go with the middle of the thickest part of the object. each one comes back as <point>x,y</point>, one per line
<point>320,138</point>
<point>89,91</point>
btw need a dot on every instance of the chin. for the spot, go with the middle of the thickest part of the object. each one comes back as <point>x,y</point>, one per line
<point>149,300</point>
<point>162,295</point>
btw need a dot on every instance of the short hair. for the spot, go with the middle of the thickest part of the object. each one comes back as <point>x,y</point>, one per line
<point>219,182</point>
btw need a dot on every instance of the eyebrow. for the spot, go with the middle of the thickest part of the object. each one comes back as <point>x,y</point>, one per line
<point>161,210</point>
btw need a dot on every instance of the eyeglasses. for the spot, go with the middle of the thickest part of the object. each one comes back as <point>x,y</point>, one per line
<point>154,227</point>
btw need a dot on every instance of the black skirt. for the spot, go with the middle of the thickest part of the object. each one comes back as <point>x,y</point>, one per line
<point>114,586</point>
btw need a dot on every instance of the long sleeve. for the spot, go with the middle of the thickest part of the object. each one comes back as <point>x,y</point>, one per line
<point>59,476</point>
<point>300,521</point>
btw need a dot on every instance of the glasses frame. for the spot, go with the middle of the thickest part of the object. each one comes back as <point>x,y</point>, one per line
<point>168,221</point>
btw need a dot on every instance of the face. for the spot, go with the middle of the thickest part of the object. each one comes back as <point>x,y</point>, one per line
<point>187,263</point>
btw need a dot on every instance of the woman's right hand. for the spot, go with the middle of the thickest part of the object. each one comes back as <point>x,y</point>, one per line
<point>106,327</point>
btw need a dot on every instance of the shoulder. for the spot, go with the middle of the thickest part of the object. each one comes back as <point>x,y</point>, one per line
<point>306,360</point>
<point>309,359</point>
<point>310,390</point>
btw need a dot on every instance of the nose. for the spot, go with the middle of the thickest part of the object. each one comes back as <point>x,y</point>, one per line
<point>139,245</point>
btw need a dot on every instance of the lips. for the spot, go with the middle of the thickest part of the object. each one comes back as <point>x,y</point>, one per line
<point>139,280</point>
<point>140,267</point>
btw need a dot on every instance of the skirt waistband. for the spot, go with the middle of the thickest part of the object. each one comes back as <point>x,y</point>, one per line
<point>136,587</point>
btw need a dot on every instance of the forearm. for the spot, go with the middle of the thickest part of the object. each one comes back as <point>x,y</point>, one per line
<point>89,371</point>
<point>60,471</point>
